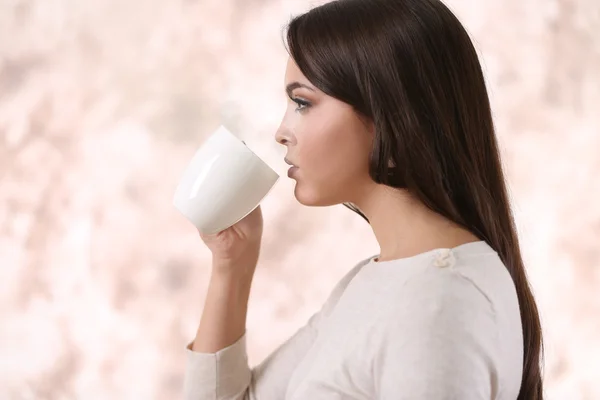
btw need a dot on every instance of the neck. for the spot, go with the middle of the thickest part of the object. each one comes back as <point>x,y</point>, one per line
<point>404,227</point>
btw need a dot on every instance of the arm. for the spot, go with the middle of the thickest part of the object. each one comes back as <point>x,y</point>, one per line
<point>225,375</point>
<point>220,340</point>
<point>440,343</point>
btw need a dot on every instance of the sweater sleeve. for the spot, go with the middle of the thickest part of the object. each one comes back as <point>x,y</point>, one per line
<point>226,375</point>
<point>440,343</point>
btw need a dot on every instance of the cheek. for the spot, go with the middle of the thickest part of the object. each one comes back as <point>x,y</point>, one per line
<point>333,152</point>
<point>334,159</point>
<point>322,150</point>
<point>331,175</point>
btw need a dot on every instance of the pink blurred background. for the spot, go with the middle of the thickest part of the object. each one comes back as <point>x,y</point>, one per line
<point>103,102</point>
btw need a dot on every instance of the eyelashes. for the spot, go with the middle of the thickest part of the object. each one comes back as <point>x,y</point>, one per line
<point>303,105</point>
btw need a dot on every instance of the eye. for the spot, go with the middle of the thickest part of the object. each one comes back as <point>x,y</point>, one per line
<point>302,104</point>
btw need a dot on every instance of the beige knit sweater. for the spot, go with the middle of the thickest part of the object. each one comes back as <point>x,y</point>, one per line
<point>440,325</point>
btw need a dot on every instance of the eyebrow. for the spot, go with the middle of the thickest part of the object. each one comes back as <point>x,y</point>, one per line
<point>295,85</point>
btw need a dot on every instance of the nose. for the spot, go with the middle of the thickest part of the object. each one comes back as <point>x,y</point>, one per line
<point>283,136</point>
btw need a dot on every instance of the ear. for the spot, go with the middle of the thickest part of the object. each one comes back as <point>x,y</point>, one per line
<point>371,127</point>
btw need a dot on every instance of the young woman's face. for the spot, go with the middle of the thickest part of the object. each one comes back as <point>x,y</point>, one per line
<point>327,142</point>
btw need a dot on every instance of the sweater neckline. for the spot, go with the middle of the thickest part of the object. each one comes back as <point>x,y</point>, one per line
<point>470,248</point>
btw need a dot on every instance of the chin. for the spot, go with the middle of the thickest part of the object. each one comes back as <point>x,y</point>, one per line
<point>312,198</point>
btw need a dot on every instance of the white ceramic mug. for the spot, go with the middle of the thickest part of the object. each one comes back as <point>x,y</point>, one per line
<point>224,182</point>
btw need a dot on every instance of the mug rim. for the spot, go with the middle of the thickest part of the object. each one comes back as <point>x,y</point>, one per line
<point>223,128</point>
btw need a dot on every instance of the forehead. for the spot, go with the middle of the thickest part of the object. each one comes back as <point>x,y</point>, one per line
<point>293,73</point>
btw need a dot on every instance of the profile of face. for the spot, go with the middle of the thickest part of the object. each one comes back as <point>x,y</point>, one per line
<point>327,142</point>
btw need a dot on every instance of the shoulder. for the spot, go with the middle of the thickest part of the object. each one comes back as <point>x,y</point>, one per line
<point>451,319</point>
<point>444,288</point>
<point>439,297</point>
<point>468,277</point>
<point>341,286</point>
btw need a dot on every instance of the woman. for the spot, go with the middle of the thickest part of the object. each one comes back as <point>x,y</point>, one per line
<point>389,115</point>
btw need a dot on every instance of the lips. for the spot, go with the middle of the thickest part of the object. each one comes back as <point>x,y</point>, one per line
<point>293,168</point>
<point>292,172</point>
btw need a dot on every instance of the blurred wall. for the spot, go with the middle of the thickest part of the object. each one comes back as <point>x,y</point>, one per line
<point>103,102</point>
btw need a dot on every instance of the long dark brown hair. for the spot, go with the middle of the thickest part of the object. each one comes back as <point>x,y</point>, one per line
<point>410,67</point>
